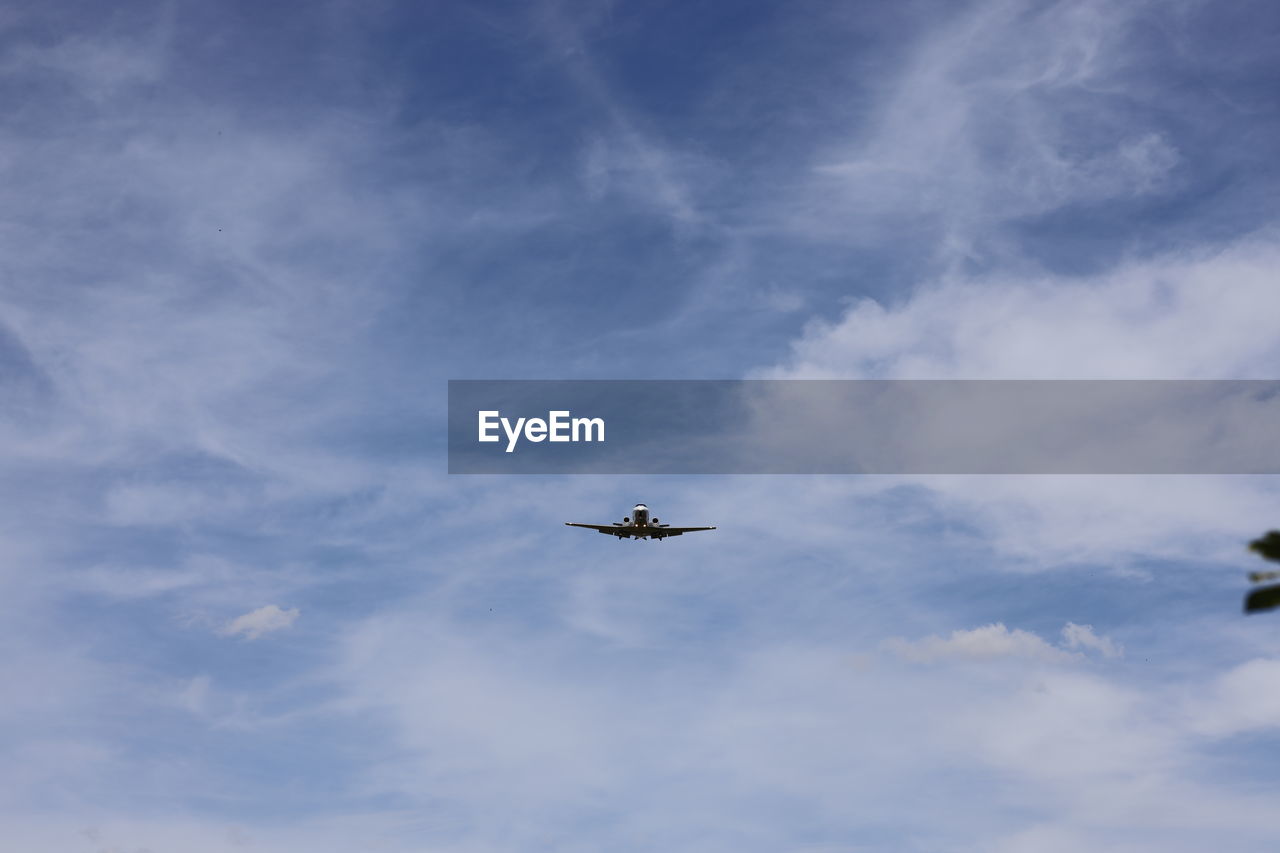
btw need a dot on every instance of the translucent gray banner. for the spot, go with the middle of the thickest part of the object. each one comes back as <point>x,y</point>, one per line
<point>864,427</point>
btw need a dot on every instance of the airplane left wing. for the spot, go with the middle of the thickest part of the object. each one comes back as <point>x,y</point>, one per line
<point>676,531</point>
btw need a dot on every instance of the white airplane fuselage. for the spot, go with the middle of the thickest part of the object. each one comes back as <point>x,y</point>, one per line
<point>639,524</point>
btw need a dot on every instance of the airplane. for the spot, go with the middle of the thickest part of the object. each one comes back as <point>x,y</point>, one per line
<point>639,525</point>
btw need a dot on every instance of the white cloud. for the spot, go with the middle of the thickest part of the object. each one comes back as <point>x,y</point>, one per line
<point>997,641</point>
<point>1082,637</point>
<point>1173,317</point>
<point>1013,110</point>
<point>1038,748</point>
<point>261,621</point>
<point>1245,698</point>
<point>1066,727</point>
<point>989,641</point>
<point>1111,521</point>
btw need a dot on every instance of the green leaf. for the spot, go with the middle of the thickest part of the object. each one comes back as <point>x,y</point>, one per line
<point>1262,599</point>
<point>1268,546</point>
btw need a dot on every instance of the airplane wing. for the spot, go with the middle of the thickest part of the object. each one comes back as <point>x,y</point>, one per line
<point>676,531</point>
<point>656,532</point>
<point>611,529</point>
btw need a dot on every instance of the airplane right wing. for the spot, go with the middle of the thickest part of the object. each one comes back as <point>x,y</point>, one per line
<point>611,529</point>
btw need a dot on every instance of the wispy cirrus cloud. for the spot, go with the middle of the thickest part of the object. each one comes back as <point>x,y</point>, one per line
<point>1009,112</point>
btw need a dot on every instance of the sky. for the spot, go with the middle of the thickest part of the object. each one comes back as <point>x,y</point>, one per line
<point>243,247</point>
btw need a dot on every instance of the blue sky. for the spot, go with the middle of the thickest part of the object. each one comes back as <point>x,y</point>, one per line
<point>244,247</point>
